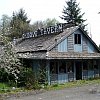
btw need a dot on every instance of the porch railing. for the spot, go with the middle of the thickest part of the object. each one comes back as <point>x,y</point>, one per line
<point>61,77</point>
<point>96,73</point>
<point>54,78</point>
<point>70,76</point>
<point>85,74</point>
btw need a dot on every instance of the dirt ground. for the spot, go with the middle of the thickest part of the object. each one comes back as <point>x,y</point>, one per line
<point>87,92</point>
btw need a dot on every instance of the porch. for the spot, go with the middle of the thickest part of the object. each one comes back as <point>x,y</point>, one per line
<point>62,71</point>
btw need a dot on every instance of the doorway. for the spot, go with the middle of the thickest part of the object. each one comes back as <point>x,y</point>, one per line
<point>78,65</point>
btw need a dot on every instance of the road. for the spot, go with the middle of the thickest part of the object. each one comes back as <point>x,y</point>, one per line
<point>89,92</point>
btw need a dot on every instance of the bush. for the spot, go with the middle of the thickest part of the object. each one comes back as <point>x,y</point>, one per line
<point>6,78</point>
<point>26,78</point>
<point>31,79</point>
<point>42,78</point>
<point>3,75</point>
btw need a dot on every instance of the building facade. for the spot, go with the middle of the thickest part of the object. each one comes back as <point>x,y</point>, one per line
<point>67,53</point>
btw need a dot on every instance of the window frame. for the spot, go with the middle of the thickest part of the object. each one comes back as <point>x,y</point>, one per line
<point>77,38</point>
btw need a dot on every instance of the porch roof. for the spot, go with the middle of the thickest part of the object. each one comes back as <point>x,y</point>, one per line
<point>73,55</point>
<point>59,55</point>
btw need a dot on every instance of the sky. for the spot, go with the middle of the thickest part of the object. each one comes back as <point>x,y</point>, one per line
<point>42,9</point>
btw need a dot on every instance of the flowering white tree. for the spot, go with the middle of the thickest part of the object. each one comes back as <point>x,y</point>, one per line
<point>8,58</point>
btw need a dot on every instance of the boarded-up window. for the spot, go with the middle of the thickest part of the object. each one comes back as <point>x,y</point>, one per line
<point>77,38</point>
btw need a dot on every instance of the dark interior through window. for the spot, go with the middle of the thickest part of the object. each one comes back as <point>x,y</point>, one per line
<point>95,64</point>
<point>85,65</point>
<point>77,38</point>
<point>62,67</point>
<point>70,66</point>
<point>54,67</point>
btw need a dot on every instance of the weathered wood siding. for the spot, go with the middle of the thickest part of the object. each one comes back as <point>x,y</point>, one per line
<point>91,48</point>
<point>55,48</point>
<point>84,44</point>
<point>71,76</point>
<point>62,47</point>
<point>70,43</point>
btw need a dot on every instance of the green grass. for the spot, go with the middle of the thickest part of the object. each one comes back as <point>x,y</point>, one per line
<point>4,88</point>
<point>73,84</point>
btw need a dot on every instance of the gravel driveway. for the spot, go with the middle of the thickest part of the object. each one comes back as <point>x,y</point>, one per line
<point>88,92</point>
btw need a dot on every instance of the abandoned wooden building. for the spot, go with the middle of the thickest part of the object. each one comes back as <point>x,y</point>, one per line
<point>66,52</point>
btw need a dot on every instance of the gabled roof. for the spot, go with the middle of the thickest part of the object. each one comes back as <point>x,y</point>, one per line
<point>70,31</point>
<point>90,39</point>
<point>44,42</point>
<point>47,42</point>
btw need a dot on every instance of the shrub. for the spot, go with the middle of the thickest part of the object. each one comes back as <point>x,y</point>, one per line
<point>26,77</point>
<point>6,77</point>
<point>32,80</point>
<point>42,78</point>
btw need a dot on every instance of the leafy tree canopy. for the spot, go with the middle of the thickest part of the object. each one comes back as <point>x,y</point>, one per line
<point>43,24</point>
<point>50,22</point>
<point>5,25</point>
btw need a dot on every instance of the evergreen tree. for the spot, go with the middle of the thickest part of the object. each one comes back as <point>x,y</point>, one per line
<point>19,24</point>
<point>99,46</point>
<point>72,13</point>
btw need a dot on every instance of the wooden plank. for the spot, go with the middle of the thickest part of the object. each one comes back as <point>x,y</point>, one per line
<point>70,43</point>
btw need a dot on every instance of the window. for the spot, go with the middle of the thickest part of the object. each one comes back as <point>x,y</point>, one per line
<point>95,64</point>
<point>62,67</point>
<point>70,66</point>
<point>90,65</point>
<point>85,65</point>
<point>54,67</point>
<point>77,38</point>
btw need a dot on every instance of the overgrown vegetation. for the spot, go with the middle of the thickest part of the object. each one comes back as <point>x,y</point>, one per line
<point>9,62</point>
<point>4,88</point>
<point>26,79</point>
<point>74,84</point>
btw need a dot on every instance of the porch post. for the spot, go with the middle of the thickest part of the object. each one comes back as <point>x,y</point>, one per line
<point>58,72</point>
<point>35,67</point>
<point>74,71</point>
<point>82,69</point>
<point>99,67</point>
<point>48,71</point>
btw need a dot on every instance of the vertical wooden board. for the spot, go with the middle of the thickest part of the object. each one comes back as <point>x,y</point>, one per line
<point>84,44</point>
<point>70,43</point>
